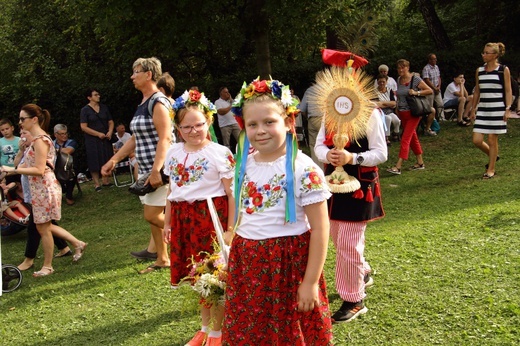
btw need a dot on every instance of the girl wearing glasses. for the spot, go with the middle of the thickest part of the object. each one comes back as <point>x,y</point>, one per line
<point>198,168</point>
<point>491,104</point>
<point>45,189</point>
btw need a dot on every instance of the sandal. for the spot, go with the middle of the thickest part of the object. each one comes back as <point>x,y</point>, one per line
<point>65,254</point>
<point>79,251</point>
<point>152,268</point>
<point>394,170</point>
<point>487,176</point>
<point>45,271</point>
<point>462,123</point>
<point>417,167</point>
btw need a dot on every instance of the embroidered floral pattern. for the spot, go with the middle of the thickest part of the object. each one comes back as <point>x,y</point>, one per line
<point>258,198</point>
<point>230,162</point>
<point>185,175</point>
<point>311,180</point>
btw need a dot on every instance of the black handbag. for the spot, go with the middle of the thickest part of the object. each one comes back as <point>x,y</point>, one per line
<point>140,189</point>
<point>419,105</point>
<point>114,138</point>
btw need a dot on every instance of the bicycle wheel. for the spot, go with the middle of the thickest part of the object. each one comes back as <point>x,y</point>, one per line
<point>11,278</point>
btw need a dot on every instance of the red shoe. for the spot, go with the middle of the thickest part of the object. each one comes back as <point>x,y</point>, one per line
<point>198,339</point>
<point>214,341</point>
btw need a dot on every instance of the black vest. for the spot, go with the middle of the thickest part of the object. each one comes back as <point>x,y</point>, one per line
<point>363,204</point>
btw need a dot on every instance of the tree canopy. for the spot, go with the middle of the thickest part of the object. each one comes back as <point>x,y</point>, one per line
<point>50,51</point>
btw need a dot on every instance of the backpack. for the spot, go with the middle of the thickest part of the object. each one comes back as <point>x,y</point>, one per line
<point>153,99</point>
<point>64,166</point>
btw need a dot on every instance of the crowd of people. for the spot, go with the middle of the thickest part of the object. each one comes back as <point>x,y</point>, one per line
<point>272,201</point>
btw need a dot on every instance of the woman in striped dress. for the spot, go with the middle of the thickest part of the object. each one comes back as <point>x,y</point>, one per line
<point>491,103</point>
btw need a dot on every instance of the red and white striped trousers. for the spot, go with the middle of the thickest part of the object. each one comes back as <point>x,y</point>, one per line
<point>351,267</point>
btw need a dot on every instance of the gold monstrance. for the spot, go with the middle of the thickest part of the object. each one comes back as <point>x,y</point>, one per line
<point>343,95</point>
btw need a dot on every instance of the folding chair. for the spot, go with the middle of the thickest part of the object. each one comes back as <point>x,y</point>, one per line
<point>452,112</point>
<point>121,170</point>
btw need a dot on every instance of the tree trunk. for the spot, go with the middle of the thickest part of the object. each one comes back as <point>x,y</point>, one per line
<point>439,35</point>
<point>332,38</point>
<point>260,36</point>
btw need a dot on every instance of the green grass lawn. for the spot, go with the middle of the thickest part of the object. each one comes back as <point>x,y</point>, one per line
<point>446,256</point>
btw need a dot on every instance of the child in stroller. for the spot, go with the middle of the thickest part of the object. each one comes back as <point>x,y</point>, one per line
<point>11,203</point>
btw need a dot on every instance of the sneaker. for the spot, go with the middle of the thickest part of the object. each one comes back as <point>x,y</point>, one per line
<point>368,280</point>
<point>349,311</point>
<point>198,339</point>
<point>212,341</point>
<point>430,133</point>
<point>144,255</point>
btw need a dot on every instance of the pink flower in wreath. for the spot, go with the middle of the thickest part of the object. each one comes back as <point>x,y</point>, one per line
<point>194,96</point>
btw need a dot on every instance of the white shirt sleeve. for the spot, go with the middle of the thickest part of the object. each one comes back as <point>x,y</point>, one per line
<point>378,150</point>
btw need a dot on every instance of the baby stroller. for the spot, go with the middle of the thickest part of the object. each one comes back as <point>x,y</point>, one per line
<point>17,221</point>
<point>11,275</point>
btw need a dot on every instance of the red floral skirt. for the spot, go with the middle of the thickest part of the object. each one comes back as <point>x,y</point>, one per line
<point>192,232</point>
<point>261,295</point>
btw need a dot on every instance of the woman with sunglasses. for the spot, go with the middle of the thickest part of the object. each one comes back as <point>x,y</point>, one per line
<point>45,188</point>
<point>492,100</point>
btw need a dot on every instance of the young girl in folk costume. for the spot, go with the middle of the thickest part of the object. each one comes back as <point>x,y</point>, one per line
<point>198,168</point>
<point>45,189</point>
<point>275,292</point>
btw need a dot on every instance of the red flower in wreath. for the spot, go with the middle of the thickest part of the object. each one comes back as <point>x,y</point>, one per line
<point>260,86</point>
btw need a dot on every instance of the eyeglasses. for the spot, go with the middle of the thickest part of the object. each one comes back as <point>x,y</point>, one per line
<point>22,119</point>
<point>137,71</point>
<point>487,53</point>
<point>62,133</point>
<point>197,127</point>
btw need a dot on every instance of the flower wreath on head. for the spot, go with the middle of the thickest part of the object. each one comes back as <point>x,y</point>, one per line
<point>277,91</point>
<point>195,98</point>
<point>273,88</point>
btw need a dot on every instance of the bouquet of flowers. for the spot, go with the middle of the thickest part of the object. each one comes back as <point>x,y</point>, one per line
<point>208,276</point>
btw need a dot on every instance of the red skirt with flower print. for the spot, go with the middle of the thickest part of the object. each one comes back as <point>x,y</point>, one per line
<point>261,295</point>
<point>192,232</point>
